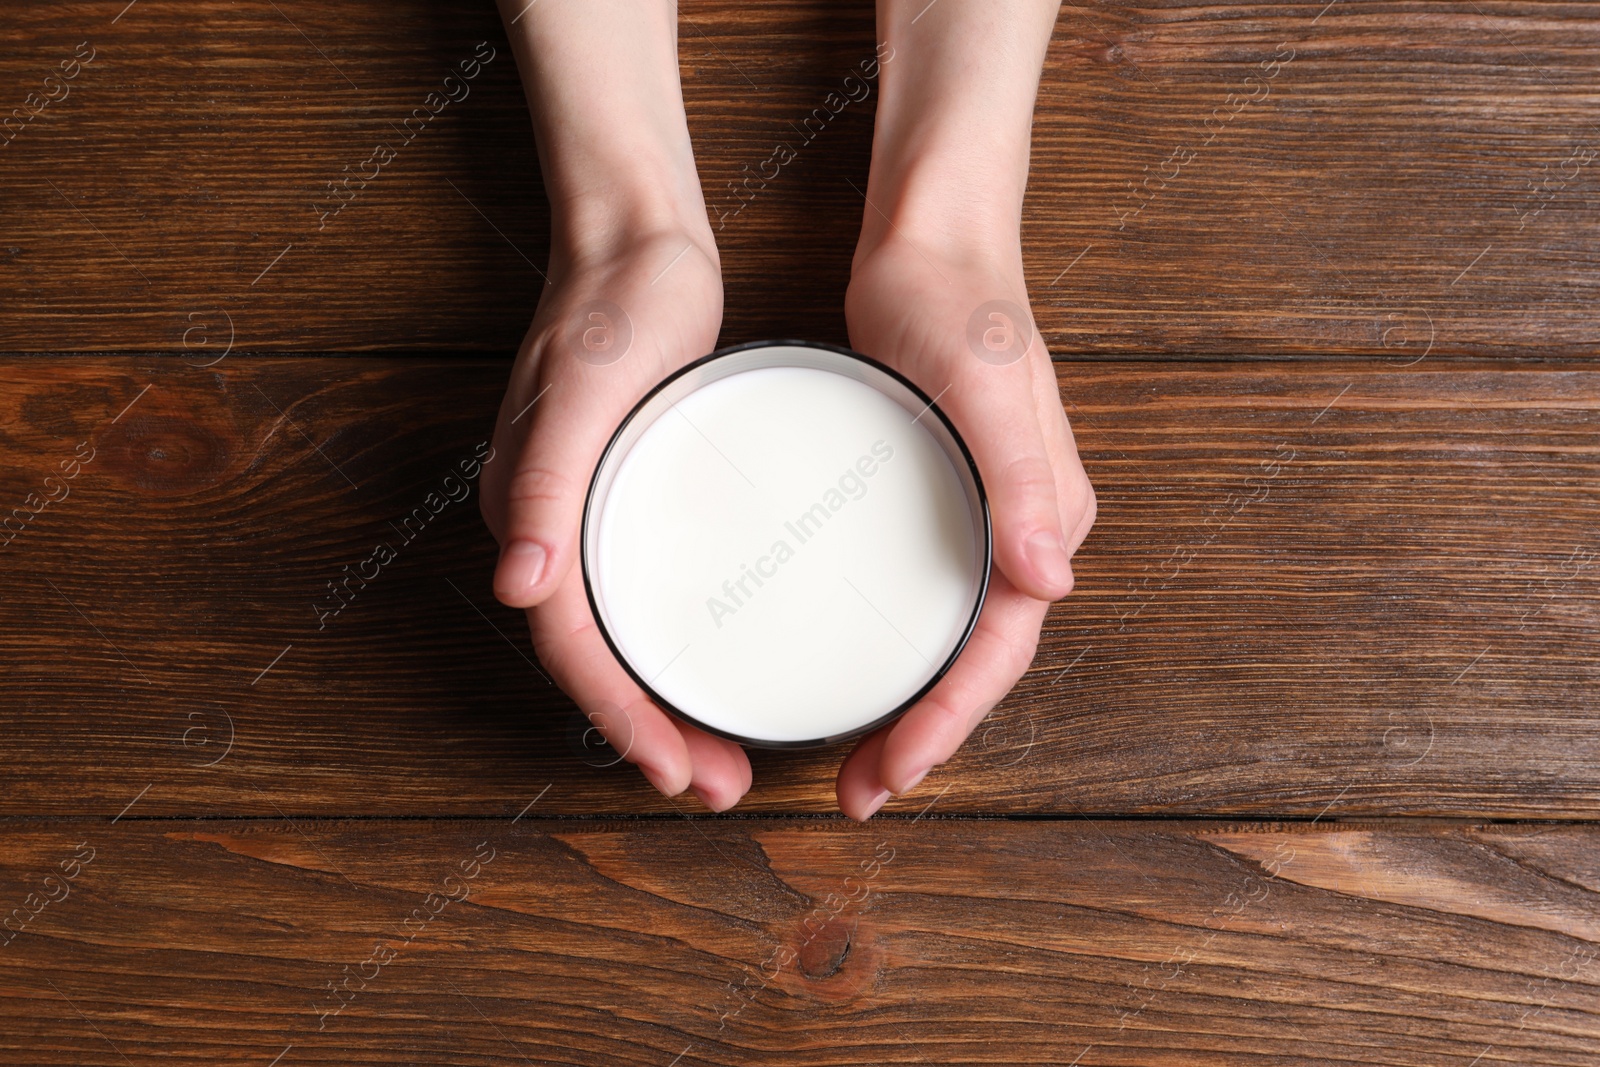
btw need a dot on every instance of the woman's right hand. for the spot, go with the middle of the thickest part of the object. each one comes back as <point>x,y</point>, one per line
<point>634,292</point>
<point>612,324</point>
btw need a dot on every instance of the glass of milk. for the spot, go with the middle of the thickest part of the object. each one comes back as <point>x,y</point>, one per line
<point>786,544</point>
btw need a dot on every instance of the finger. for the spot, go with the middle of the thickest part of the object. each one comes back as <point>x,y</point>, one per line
<point>580,662</point>
<point>1087,511</point>
<point>596,358</point>
<point>860,791</point>
<point>571,420</point>
<point>997,407</point>
<point>1074,495</point>
<point>721,768</point>
<point>999,651</point>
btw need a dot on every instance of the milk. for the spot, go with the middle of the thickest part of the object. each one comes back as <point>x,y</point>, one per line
<point>786,553</point>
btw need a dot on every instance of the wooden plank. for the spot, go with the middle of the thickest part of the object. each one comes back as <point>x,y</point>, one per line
<point>1330,589</point>
<point>1372,177</point>
<point>799,943</point>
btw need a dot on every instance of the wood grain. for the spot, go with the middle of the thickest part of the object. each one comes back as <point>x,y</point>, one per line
<point>1322,589</point>
<point>1321,279</point>
<point>1250,179</point>
<point>806,943</point>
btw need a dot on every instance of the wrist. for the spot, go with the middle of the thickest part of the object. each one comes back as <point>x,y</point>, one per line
<point>608,219</point>
<point>942,214</point>
<point>954,124</point>
<point>946,174</point>
<point>601,79</point>
<point>936,211</point>
<point>624,176</point>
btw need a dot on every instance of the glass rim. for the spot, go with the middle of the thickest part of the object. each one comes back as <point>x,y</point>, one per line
<point>981,518</point>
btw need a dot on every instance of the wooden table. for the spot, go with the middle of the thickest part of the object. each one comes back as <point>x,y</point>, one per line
<point>1307,770</point>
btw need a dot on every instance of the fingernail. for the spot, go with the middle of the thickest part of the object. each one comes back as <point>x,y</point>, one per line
<point>706,799</point>
<point>874,804</point>
<point>915,780</point>
<point>1048,555</point>
<point>526,560</point>
<point>656,778</point>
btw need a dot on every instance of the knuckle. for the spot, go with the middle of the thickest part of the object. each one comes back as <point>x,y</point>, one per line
<point>1079,511</point>
<point>560,659</point>
<point>538,485</point>
<point>1020,653</point>
<point>1029,475</point>
<point>1091,507</point>
<point>949,718</point>
<point>1014,642</point>
<point>616,725</point>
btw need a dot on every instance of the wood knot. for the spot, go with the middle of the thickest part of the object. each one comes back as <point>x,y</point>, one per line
<point>165,454</point>
<point>824,950</point>
<point>837,958</point>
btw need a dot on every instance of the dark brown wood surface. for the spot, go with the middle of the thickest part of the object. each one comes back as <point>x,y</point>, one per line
<point>1339,587</point>
<point>1411,173</point>
<point>1321,279</point>
<point>776,943</point>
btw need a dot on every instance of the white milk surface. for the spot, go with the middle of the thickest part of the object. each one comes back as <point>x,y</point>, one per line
<point>786,555</point>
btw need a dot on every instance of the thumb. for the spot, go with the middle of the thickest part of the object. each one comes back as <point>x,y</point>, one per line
<point>542,502</point>
<point>994,408</point>
<point>572,412</point>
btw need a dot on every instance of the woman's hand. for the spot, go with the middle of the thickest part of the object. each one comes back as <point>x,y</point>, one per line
<point>937,291</point>
<point>950,325</point>
<point>608,329</point>
<point>634,292</point>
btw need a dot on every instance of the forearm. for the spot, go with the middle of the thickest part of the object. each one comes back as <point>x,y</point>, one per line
<point>955,118</point>
<point>601,78</point>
